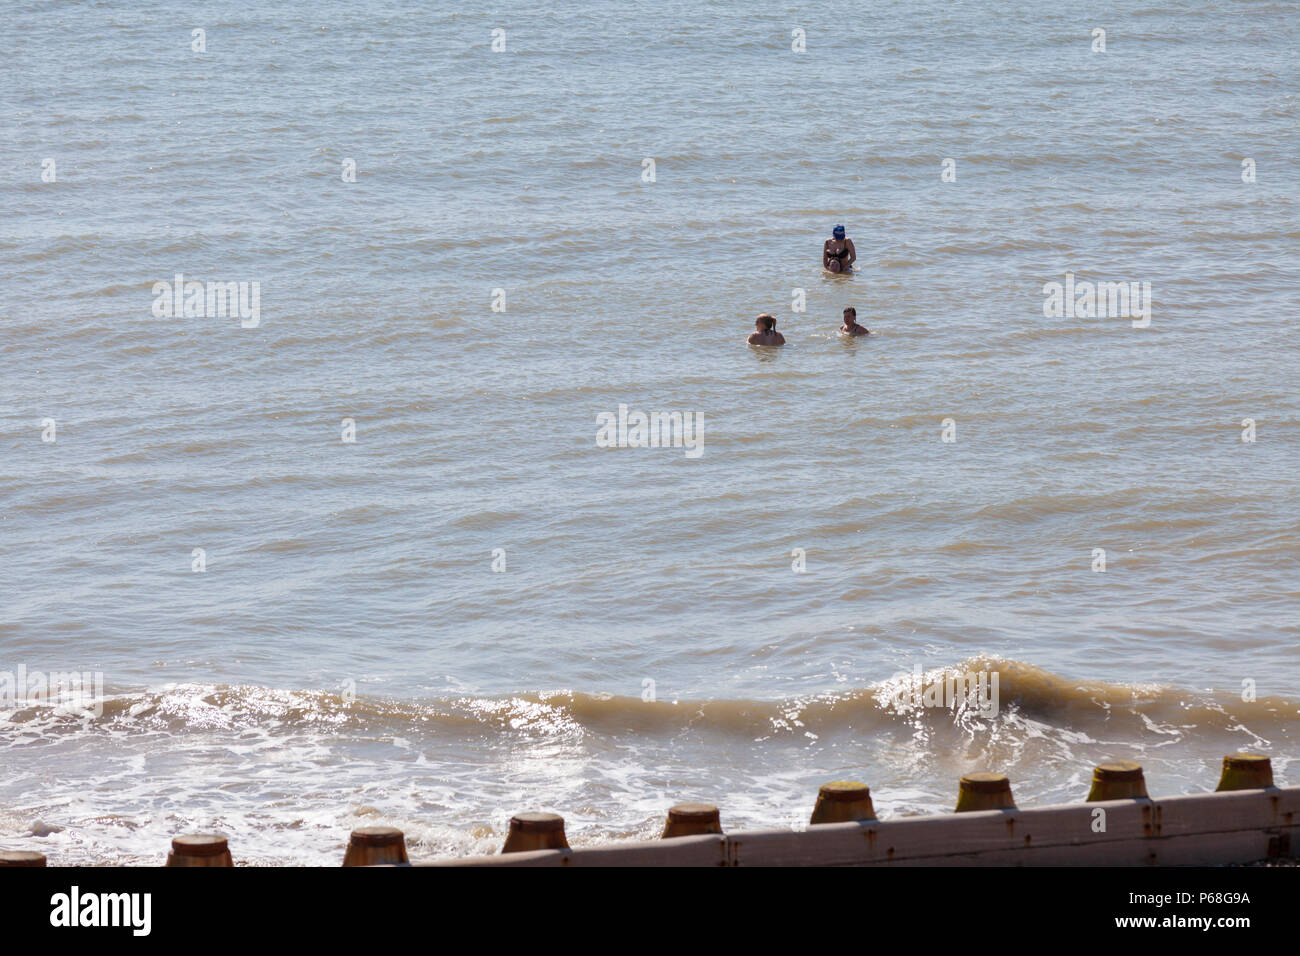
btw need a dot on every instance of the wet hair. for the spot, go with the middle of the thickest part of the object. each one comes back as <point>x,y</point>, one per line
<point>769,323</point>
<point>851,311</point>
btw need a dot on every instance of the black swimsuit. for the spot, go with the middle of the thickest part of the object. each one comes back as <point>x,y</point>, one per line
<point>842,254</point>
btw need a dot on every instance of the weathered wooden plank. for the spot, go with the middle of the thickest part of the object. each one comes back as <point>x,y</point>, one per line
<point>1199,850</point>
<point>703,850</point>
<point>1234,810</point>
<point>526,858</point>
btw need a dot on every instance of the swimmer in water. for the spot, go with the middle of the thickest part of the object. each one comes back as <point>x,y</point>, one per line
<point>765,332</point>
<point>850,326</point>
<point>838,254</point>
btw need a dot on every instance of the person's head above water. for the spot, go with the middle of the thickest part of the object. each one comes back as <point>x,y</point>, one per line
<point>850,325</point>
<point>765,332</point>
<point>838,232</point>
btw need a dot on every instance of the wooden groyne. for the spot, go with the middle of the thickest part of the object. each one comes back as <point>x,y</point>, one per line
<point>1247,819</point>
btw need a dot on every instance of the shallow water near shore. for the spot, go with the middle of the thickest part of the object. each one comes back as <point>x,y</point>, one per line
<point>349,656</point>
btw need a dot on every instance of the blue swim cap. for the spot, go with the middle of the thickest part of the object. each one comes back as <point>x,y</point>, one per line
<point>838,232</point>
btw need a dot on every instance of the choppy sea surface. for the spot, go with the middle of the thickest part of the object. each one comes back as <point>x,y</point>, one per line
<point>348,654</point>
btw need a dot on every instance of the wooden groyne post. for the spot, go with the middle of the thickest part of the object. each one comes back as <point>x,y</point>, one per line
<point>199,849</point>
<point>375,846</point>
